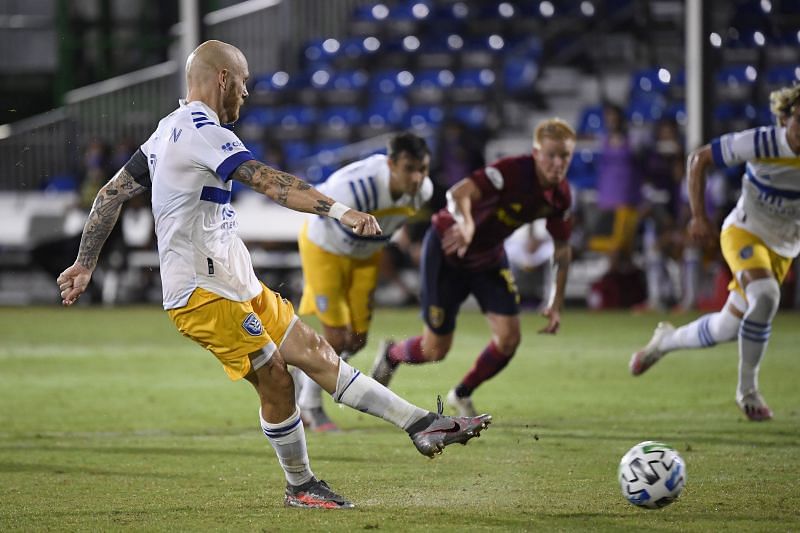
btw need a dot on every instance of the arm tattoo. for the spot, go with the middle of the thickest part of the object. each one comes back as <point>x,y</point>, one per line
<point>323,207</point>
<point>274,183</point>
<point>103,216</point>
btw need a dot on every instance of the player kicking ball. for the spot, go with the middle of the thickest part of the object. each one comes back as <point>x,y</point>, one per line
<point>210,290</point>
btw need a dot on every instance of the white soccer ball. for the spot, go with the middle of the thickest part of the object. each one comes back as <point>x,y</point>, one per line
<point>651,475</point>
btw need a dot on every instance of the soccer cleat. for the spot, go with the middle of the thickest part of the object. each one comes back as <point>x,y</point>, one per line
<point>316,419</point>
<point>316,494</point>
<point>383,368</point>
<point>650,354</point>
<point>462,404</point>
<point>753,406</point>
<point>446,430</point>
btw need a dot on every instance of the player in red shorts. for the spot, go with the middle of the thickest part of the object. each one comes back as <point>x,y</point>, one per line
<point>463,254</point>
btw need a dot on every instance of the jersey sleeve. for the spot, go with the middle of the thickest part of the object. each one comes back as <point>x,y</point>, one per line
<point>220,150</point>
<point>426,190</point>
<point>734,149</point>
<point>491,179</point>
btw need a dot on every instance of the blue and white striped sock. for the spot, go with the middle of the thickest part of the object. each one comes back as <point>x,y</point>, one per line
<point>288,438</point>
<point>763,298</point>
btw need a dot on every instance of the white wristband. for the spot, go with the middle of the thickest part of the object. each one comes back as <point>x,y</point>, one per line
<point>338,210</point>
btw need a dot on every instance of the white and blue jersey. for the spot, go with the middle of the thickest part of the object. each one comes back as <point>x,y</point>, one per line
<point>364,185</point>
<point>769,205</point>
<point>191,159</point>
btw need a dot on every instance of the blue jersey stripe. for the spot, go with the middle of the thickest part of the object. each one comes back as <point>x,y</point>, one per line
<point>355,196</point>
<point>716,152</point>
<point>765,142</point>
<point>201,124</point>
<point>215,194</point>
<point>774,140</point>
<point>363,188</point>
<point>766,189</point>
<point>372,186</point>
<point>756,145</point>
<point>226,168</point>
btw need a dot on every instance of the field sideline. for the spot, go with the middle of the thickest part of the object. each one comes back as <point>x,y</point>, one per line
<point>110,420</point>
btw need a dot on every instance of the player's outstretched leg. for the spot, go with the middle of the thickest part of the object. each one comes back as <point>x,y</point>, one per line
<point>446,430</point>
<point>315,494</point>
<point>652,352</point>
<point>430,432</point>
<point>383,368</point>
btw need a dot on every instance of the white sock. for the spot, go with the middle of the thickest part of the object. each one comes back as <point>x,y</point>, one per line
<point>654,265</point>
<point>310,393</point>
<point>289,441</point>
<point>708,330</point>
<point>364,394</point>
<point>763,298</point>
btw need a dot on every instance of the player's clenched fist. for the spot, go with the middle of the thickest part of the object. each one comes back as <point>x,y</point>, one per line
<point>361,223</point>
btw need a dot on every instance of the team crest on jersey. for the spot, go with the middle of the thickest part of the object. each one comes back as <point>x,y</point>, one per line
<point>495,177</point>
<point>322,303</point>
<point>252,325</point>
<point>436,316</point>
<point>746,252</point>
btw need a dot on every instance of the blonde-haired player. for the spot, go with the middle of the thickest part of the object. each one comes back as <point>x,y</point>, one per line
<point>211,292</point>
<point>463,254</point>
<point>759,239</point>
<point>340,267</point>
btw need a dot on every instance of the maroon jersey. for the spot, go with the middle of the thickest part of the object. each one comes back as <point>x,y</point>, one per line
<point>511,196</point>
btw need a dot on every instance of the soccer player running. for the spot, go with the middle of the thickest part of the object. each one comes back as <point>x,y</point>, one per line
<point>340,267</point>
<point>759,238</point>
<point>463,254</point>
<point>211,292</point>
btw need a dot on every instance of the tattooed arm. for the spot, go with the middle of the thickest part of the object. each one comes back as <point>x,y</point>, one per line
<point>294,193</point>
<point>102,218</point>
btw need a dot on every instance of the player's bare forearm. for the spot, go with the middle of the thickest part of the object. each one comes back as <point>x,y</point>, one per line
<point>699,161</point>
<point>460,198</point>
<point>562,257</point>
<point>103,216</point>
<point>286,189</point>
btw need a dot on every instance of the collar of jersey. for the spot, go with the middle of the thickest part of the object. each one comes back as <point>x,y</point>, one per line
<point>198,104</point>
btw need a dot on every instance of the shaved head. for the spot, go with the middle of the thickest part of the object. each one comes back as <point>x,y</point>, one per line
<point>209,59</point>
<point>216,73</point>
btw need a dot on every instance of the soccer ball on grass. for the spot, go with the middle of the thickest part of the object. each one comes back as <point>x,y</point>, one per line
<point>651,475</point>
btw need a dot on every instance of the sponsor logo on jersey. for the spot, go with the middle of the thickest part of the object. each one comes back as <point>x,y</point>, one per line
<point>231,146</point>
<point>252,325</point>
<point>322,303</point>
<point>746,252</point>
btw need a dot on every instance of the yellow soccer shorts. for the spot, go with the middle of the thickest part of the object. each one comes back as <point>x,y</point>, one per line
<point>337,289</point>
<point>744,251</point>
<point>233,330</point>
<point>623,232</point>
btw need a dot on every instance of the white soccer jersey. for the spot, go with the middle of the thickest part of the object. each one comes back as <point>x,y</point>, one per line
<point>769,205</point>
<point>364,185</point>
<point>191,158</point>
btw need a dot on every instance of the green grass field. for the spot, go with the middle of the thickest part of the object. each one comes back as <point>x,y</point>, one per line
<point>110,420</point>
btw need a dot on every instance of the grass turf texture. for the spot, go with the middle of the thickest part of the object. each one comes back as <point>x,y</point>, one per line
<point>110,420</point>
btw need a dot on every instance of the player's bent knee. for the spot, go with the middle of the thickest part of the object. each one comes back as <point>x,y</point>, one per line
<point>763,296</point>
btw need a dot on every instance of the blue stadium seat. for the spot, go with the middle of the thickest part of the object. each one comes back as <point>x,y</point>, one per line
<point>520,74</point>
<point>424,115</point>
<point>340,117</point>
<point>260,116</point>
<point>348,80</point>
<point>591,121</point>
<point>433,79</point>
<point>474,79</point>
<point>734,75</point>
<point>294,151</point>
<point>649,80</point>
<point>472,116</point>
<point>390,82</point>
<point>645,110</point>
<point>782,75</point>
<point>582,173</point>
<point>385,111</point>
